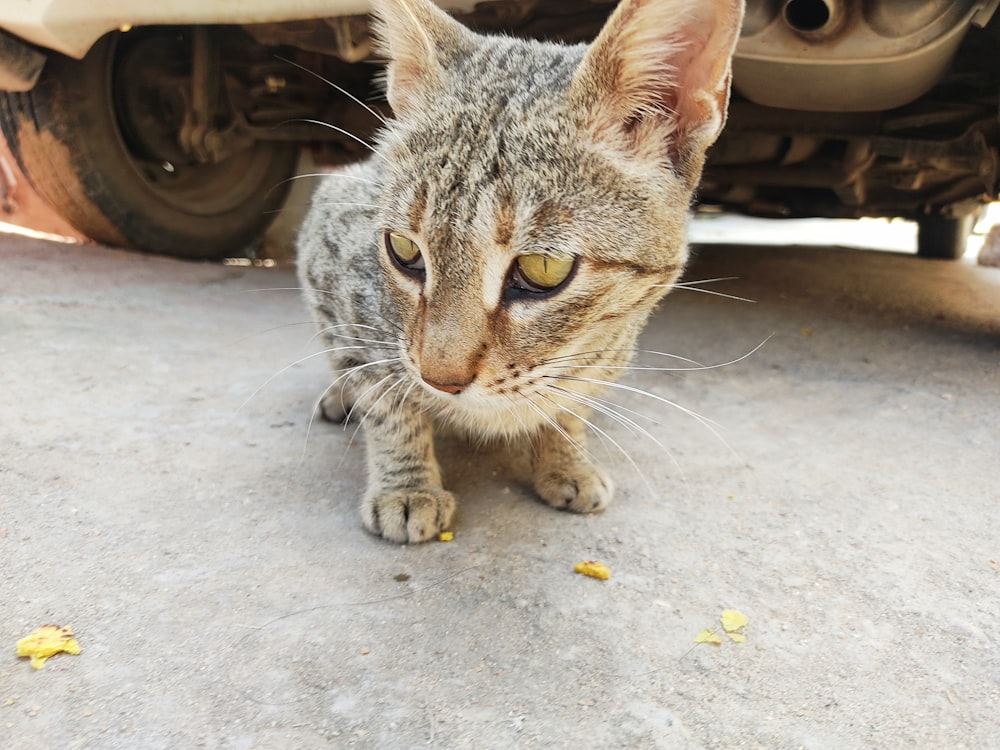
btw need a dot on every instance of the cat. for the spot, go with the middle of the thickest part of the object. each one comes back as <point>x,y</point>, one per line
<point>491,265</point>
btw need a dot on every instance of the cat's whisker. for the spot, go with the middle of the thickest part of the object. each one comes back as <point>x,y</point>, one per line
<point>353,325</point>
<point>399,381</point>
<point>335,295</point>
<point>346,374</point>
<point>558,427</point>
<point>380,344</point>
<point>272,329</point>
<point>349,134</point>
<point>317,408</point>
<point>696,282</point>
<point>632,389</point>
<point>304,175</point>
<point>357,429</point>
<point>398,328</point>
<point>392,324</point>
<point>614,411</point>
<point>371,110</point>
<point>611,405</point>
<point>350,372</point>
<point>629,367</point>
<point>705,422</point>
<point>364,394</point>
<point>296,363</point>
<point>516,414</point>
<point>709,291</point>
<point>278,289</point>
<point>406,394</point>
<point>341,175</point>
<point>590,355</point>
<point>608,408</point>
<point>603,435</point>
<point>336,326</point>
<point>692,286</point>
<point>348,203</point>
<point>695,365</point>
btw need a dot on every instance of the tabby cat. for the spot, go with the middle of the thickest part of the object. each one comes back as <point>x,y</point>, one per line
<point>491,265</point>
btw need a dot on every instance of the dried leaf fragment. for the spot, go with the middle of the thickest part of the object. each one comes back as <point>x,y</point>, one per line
<point>593,569</point>
<point>708,636</point>
<point>446,536</point>
<point>733,621</point>
<point>47,641</point>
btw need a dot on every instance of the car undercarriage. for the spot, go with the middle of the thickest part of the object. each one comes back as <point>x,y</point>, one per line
<point>841,108</point>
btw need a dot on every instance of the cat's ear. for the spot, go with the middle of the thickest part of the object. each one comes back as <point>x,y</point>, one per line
<point>419,40</point>
<point>660,70</point>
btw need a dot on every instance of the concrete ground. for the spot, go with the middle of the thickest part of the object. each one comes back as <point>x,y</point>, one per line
<point>163,492</point>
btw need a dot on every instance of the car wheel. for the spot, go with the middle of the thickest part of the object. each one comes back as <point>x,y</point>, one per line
<point>943,236</point>
<point>98,138</point>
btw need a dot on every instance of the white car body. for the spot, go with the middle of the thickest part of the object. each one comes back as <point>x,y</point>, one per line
<point>72,26</point>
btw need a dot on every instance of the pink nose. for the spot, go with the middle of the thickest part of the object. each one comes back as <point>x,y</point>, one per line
<point>453,388</point>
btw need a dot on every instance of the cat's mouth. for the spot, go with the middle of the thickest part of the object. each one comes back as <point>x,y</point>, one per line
<point>471,397</point>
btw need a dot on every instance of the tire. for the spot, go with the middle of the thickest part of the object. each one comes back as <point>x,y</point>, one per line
<point>944,237</point>
<point>103,151</point>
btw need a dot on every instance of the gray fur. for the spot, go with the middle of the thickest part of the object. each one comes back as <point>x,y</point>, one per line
<point>500,148</point>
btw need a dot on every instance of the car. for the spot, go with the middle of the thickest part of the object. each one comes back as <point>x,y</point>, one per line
<point>176,127</point>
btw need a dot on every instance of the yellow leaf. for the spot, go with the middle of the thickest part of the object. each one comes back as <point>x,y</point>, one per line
<point>733,620</point>
<point>708,636</point>
<point>737,637</point>
<point>593,569</point>
<point>47,641</point>
<point>446,536</point>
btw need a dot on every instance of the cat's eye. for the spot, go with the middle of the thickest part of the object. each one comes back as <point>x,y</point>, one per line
<point>405,252</point>
<point>541,273</point>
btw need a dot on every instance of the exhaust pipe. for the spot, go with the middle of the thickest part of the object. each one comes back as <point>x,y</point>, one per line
<point>814,19</point>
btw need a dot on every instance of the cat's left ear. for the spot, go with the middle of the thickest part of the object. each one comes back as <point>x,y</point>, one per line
<point>419,40</point>
<point>657,77</point>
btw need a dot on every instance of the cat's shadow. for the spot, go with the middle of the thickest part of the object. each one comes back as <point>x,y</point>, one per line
<point>488,478</point>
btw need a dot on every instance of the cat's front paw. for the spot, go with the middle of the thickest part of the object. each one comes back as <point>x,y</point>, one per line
<point>335,407</point>
<point>408,515</point>
<point>578,486</point>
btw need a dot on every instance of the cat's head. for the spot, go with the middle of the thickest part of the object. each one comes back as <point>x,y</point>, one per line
<point>535,195</point>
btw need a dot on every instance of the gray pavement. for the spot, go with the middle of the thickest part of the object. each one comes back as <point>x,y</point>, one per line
<point>162,492</point>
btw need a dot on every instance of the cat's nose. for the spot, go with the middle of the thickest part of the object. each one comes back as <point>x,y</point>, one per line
<point>453,388</point>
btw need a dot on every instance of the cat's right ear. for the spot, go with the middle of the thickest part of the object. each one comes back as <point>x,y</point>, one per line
<point>419,40</point>
<point>656,80</point>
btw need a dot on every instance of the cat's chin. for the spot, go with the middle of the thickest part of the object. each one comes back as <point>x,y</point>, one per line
<point>485,415</point>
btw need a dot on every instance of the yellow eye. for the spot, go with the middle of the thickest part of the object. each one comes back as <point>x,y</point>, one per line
<point>405,249</point>
<point>541,273</point>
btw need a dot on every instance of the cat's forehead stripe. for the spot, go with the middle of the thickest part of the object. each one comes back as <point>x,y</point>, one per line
<point>632,267</point>
<point>418,209</point>
<point>505,218</point>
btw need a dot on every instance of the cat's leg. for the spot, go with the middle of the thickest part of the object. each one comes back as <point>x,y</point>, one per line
<point>564,477</point>
<point>336,405</point>
<point>405,501</point>
<point>338,399</point>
